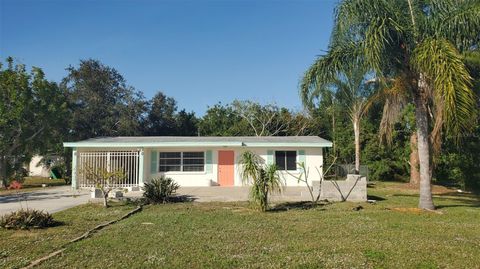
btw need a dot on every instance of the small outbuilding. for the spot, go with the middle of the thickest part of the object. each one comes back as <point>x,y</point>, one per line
<point>194,161</point>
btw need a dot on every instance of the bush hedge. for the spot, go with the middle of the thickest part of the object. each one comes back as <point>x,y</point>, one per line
<point>160,190</point>
<point>26,219</point>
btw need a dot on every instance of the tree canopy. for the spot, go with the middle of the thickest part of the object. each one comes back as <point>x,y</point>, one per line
<point>32,110</point>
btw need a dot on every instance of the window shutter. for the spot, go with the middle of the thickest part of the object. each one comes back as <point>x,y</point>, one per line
<point>153,162</point>
<point>208,162</point>
<point>301,159</point>
<point>269,156</point>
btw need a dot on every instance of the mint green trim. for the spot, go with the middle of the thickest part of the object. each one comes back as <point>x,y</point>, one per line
<point>194,144</point>
<point>269,157</point>
<point>301,159</point>
<point>153,162</point>
<point>74,169</point>
<point>285,145</point>
<point>208,162</point>
<point>140,168</point>
<point>159,144</point>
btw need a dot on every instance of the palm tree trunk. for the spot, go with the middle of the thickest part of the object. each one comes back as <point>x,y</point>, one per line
<point>356,130</point>
<point>414,173</point>
<point>421,117</point>
<point>334,144</point>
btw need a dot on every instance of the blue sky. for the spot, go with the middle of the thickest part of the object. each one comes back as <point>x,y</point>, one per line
<point>199,52</point>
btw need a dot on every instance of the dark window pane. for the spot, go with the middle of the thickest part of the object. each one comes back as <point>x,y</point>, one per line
<point>170,161</point>
<point>193,168</point>
<point>192,161</point>
<point>166,168</point>
<point>193,154</point>
<point>291,160</point>
<point>170,154</point>
<point>280,160</point>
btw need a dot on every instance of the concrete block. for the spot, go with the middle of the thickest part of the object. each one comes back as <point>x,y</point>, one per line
<point>96,193</point>
<point>354,189</point>
<point>134,188</point>
<point>115,194</point>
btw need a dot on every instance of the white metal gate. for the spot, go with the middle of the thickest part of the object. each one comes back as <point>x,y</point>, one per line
<point>125,161</point>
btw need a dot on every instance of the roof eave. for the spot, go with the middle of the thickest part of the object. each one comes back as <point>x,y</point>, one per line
<point>192,144</point>
<point>149,144</point>
<point>289,144</point>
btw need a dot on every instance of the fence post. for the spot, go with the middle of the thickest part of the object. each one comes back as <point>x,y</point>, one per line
<point>74,169</point>
<point>140,168</point>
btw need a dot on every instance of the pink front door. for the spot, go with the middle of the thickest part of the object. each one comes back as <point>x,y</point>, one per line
<point>225,167</point>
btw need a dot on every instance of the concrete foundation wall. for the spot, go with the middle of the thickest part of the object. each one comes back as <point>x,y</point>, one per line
<point>354,189</point>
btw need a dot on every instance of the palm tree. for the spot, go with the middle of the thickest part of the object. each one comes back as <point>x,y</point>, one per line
<point>264,180</point>
<point>420,44</point>
<point>352,89</point>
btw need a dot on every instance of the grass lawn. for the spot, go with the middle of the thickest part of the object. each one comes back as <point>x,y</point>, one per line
<point>19,248</point>
<point>224,235</point>
<point>35,183</point>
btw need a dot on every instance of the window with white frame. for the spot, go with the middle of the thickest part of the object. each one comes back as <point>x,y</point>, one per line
<point>181,161</point>
<point>170,161</point>
<point>286,160</point>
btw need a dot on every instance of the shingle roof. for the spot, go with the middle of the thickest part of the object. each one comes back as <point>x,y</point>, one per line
<point>145,141</point>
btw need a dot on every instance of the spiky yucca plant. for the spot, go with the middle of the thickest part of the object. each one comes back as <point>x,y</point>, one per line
<point>263,178</point>
<point>160,190</point>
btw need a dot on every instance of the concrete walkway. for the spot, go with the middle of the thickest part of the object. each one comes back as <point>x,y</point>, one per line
<point>52,199</point>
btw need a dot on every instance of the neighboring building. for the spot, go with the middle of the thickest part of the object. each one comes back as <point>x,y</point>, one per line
<point>194,161</point>
<point>36,168</point>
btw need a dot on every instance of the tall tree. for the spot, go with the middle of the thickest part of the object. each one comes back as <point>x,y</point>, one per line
<point>221,120</point>
<point>264,120</point>
<point>352,91</point>
<point>31,110</point>
<point>161,115</point>
<point>101,102</point>
<point>419,42</point>
<point>186,123</point>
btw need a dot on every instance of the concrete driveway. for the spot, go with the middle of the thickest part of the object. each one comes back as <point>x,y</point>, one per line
<point>50,199</point>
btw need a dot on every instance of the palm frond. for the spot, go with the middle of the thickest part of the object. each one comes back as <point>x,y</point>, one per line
<point>274,182</point>
<point>250,166</point>
<point>394,96</point>
<point>456,21</point>
<point>325,69</point>
<point>440,61</point>
<point>378,26</point>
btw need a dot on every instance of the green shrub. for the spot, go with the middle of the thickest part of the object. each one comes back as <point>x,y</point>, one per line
<point>264,178</point>
<point>160,190</point>
<point>26,219</point>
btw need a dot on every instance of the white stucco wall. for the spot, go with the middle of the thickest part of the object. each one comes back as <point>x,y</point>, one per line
<point>313,158</point>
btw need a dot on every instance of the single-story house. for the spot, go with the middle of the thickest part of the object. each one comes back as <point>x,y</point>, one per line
<point>194,161</point>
